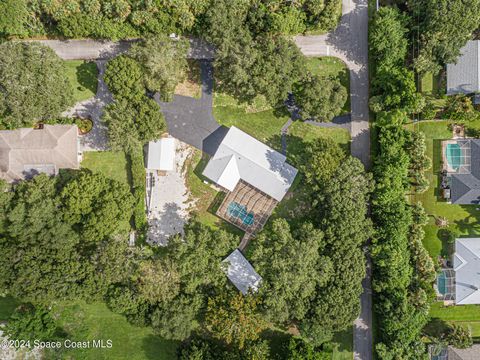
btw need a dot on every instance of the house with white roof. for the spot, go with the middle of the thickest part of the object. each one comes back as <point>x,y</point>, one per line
<point>161,154</point>
<point>466,265</point>
<point>242,157</point>
<point>255,177</point>
<point>241,273</point>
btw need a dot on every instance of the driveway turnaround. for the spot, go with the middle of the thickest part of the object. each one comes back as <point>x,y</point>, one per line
<point>191,120</point>
<point>349,42</point>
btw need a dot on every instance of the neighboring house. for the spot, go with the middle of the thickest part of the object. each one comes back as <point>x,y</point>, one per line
<point>26,152</point>
<point>466,264</point>
<point>161,154</point>
<point>451,353</point>
<point>464,76</point>
<point>472,353</point>
<point>241,273</point>
<point>255,177</point>
<point>461,164</point>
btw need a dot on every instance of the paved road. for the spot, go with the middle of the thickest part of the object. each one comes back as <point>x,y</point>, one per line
<point>89,49</point>
<point>349,42</point>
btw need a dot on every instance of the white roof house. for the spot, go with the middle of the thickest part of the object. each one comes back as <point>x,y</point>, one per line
<point>242,157</point>
<point>161,154</point>
<point>466,264</point>
<point>241,273</point>
<point>464,75</point>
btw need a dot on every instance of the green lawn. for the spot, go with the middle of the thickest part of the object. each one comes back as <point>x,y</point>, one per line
<point>331,66</point>
<point>7,305</point>
<point>258,119</point>
<point>83,78</point>
<point>83,321</point>
<point>462,218</point>
<point>112,164</point>
<point>468,315</point>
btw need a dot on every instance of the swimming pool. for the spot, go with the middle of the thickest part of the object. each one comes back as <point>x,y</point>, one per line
<point>453,153</point>
<point>442,283</point>
<point>239,211</point>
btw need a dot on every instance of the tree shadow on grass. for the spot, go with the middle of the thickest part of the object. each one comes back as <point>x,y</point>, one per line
<point>87,76</point>
<point>278,342</point>
<point>156,348</point>
<point>436,328</point>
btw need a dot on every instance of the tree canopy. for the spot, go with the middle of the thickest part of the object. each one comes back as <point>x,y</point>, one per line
<point>443,28</point>
<point>320,98</point>
<point>164,63</point>
<point>33,84</point>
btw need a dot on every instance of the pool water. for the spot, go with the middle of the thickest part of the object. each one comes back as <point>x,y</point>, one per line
<point>239,211</point>
<point>453,154</point>
<point>442,283</point>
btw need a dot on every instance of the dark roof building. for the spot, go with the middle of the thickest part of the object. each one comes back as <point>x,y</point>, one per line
<point>462,161</point>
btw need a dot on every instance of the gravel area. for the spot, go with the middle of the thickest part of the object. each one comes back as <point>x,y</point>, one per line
<point>168,199</point>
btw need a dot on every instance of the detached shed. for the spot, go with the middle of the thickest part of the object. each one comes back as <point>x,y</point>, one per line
<point>161,154</point>
<point>241,273</point>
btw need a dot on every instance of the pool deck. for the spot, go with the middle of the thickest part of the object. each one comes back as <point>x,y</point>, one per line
<point>254,200</point>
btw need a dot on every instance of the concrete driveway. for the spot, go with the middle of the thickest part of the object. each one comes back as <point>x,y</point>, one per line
<point>191,120</point>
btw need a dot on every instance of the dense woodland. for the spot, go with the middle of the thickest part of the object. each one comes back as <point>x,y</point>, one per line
<point>118,19</point>
<point>65,238</point>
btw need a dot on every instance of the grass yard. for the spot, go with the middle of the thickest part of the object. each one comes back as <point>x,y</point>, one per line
<point>468,315</point>
<point>112,164</point>
<point>7,305</point>
<point>258,119</point>
<point>192,85</point>
<point>331,66</point>
<point>464,219</point>
<point>83,322</point>
<point>83,77</point>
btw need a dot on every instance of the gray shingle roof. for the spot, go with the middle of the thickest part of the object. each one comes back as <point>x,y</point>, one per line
<point>465,188</point>
<point>27,151</point>
<point>466,264</point>
<point>464,75</point>
<point>472,353</point>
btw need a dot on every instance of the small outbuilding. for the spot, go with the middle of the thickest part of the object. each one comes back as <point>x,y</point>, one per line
<point>241,273</point>
<point>161,154</point>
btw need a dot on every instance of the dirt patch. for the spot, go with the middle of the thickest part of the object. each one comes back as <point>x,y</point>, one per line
<point>192,85</point>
